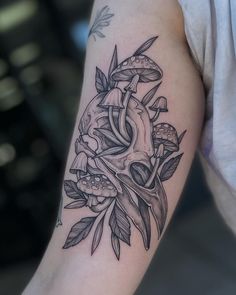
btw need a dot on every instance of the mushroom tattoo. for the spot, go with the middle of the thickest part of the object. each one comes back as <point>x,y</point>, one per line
<point>134,69</point>
<point>165,138</point>
<point>124,155</point>
<point>159,105</point>
<point>79,165</point>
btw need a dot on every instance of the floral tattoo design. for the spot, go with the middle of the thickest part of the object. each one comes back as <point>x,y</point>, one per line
<point>102,20</point>
<point>123,155</point>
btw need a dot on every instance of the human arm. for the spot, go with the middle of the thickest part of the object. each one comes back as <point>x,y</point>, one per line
<point>127,154</point>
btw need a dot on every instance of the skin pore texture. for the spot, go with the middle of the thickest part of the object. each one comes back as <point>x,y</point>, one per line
<point>137,128</point>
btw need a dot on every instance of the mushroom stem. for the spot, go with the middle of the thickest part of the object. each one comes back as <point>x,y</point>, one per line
<point>159,154</point>
<point>131,88</point>
<point>155,116</point>
<point>114,129</point>
<point>78,175</point>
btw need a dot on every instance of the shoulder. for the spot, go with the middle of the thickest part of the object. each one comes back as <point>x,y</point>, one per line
<point>170,17</point>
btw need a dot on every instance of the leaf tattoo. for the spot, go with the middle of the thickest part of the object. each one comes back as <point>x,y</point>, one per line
<point>120,225</point>
<point>102,20</point>
<point>181,136</point>
<point>97,235</point>
<point>72,190</point>
<point>117,129</point>
<point>76,204</point>
<point>113,66</point>
<point>111,151</point>
<point>145,46</point>
<point>169,168</point>
<point>149,96</point>
<point>79,231</point>
<point>100,81</point>
<point>115,242</point>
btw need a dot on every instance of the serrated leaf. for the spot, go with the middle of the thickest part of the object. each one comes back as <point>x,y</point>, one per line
<point>111,151</point>
<point>181,136</point>
<point>110,135</point>
<point>76,204</point>
<point>79,231</point>
<point>72,190</point>
<point>120,224</point>
<point>97,235</point>
<point>145,46</point>
<point>169,168</point>
<point>113,65</point>
<point>100,81</point>
<point>148,97</point>
<point>144,211</point>
<point>115,245</point>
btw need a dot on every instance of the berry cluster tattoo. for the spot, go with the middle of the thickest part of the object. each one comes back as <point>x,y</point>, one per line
<point>123,155</point>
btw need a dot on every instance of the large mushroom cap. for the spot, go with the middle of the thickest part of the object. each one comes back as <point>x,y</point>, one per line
<point>165,134</point>
<point>97,185</point>
<point>113,98</point>
<point>142,65</point>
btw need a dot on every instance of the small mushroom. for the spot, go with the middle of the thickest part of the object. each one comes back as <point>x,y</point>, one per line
<point>92,201</point>
<point>134,69</point>
<point>79,165</point>
<point>113,100</point>
<point>165,138</point>
<point>166,134</point>
<point>97,185</point>
<point>159,105</point>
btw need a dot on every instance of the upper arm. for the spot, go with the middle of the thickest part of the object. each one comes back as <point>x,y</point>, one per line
<point>115,161</point>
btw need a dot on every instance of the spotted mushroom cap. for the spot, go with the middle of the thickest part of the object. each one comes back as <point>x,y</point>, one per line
<point>113,98</point>
<point>165,134</point>
<point>98,185</point>
<point>142,65</point>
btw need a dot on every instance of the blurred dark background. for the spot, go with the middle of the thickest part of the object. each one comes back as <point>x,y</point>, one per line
<point>42,48</point>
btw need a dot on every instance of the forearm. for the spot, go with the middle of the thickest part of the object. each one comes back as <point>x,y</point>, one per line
<point>128,161</point>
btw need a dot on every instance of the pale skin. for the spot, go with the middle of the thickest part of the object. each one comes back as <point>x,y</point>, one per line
<point>74,270</point>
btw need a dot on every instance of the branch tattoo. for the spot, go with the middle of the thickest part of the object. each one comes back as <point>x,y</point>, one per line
<point>102,20</point>
<point>123,155</point>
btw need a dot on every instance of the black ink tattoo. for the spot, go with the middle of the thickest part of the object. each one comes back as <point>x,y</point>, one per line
<point>102,20</point>
<point>123,155</point>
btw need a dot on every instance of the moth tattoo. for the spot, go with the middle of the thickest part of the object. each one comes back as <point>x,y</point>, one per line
<point>102,20</point>
<point>124,153</point>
